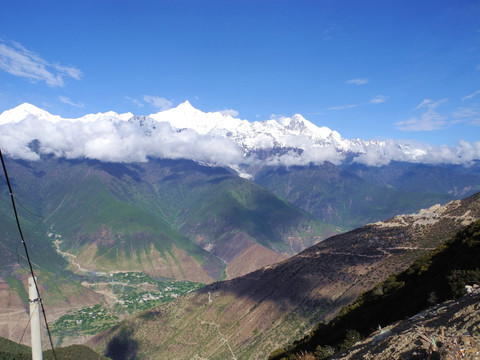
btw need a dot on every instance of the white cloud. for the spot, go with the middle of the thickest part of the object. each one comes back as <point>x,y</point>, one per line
<point>167,142</point>
<point>472,95</point>
<point>229,112</point>
<point>134,101</point>
<point>342,107</point>
<point>277,117</point>
<point>317,155</point>
<point>114,141</point>
<point>67,100</point>
<point>383,153</point>
<point>358,81</point>
<point>18,61</point>
<point>68,70</point>
<point>158,102</point>
<point>328,33</point>
<point>378,99</point>
<point>470,115</point>
<point>429,120</point>
<point>463,153</point>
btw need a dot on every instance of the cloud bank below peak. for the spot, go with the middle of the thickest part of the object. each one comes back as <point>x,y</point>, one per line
<point>113,141</point>
<point>218,138</point>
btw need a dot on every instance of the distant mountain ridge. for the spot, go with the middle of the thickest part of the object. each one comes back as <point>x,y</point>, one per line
<point>351,195</point>
<point>238,143</point>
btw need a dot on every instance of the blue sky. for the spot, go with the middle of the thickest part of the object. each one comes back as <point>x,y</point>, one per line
<point>369,69</point>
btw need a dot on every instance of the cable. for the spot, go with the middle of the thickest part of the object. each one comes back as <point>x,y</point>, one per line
<point>42,218</point>
<point>26,252</point>
<point>26,327</point>
<point>23,206</point>
<point>18,258</point>
<point>32,213</point>
<point>17,348</point>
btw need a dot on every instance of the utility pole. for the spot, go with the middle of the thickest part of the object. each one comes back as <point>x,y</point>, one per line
<point>34,298</point>
<point>34,301</point>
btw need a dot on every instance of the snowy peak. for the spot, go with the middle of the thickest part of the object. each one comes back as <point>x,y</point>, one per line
<point>271,135</point>
<point>297,123</point>
<point>185,116</point>
<point>26,110</point>
<point>214,137</point>
<point>23,111</point>
<point>186,106</point>
<point>109,115</point>
<point>250,136</point>
<point>145,122</point>
<point>185,109</point>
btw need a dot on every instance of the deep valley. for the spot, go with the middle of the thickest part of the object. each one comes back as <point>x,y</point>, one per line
<point>192,259</point>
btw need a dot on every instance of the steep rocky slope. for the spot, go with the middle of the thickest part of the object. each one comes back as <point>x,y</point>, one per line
<point>448,331</point>
<point>250,316</point>
<point>441,275</point>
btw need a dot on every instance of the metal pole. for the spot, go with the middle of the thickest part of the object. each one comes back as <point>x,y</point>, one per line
<point>35,320</point>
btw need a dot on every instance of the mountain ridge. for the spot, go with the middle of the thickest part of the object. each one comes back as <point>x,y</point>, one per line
<point>108,203</point>
<point>443,274</point>
<point>87,220</point>
<point>235,142</point>
<point>250,316</point>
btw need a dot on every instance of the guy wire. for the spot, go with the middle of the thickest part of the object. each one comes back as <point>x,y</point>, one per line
<point>26,252</point>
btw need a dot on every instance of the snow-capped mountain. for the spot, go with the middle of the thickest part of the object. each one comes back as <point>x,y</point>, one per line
<point>210,137</point>
<point>288,140</point>
<point>256,135</point>
<point>25,110</point>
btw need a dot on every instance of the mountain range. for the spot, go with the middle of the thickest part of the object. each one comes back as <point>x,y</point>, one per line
<point>188,196</point>
<point>344,182</point>
<point>250,316</point>
<point>168,219</point>
<point>215,138</point>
